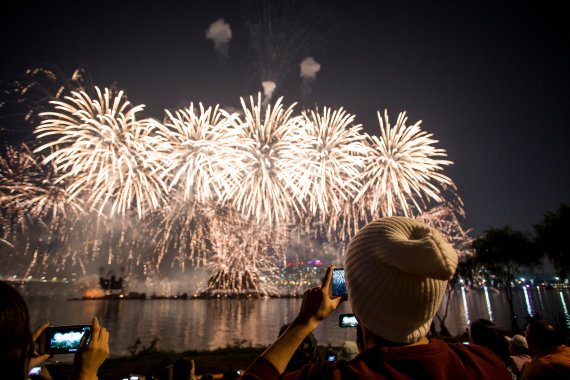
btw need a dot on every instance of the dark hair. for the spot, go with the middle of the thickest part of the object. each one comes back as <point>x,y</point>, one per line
<point>542,335</point>
<point>16,344</point>
<point>484,333</point>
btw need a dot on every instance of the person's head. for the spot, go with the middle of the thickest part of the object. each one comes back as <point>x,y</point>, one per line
<point>484,333</point>
<point>397,270</point>
<point>542,337</point>
<point>518,345</point>
<point>16,346</point>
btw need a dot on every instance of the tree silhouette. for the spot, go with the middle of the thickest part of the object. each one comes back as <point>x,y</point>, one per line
<point>502,251</point>
<point>553,238</point>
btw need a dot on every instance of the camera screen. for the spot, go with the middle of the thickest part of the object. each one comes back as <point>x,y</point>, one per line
<point>338,283</point>
<point>65,339</point>
<point>331,357</point>
<point>348,320</point>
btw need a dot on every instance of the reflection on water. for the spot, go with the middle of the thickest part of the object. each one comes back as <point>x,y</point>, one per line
<point>564,310</point>
<point>489,309</point>
<point>529,307</point>
<point>465,308</point>
<point>208,324</point>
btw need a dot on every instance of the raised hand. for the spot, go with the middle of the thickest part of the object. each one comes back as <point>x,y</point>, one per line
<point>317,303</point>
<point>38,359</point>
<point>89,357</point>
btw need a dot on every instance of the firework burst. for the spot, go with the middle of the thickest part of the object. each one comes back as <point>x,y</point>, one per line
<point>273,154</point>
<point>182,229</point>
<point>200,152</point>
<point>103,151</point>
<point>245,257</point>
<point>213,189</point>
<point>335,160</point>
<point>27,188</point>
<point>403,168</point>
<point>446,217</point>
<point>36,212</point>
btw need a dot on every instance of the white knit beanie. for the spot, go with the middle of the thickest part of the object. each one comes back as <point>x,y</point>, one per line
<point>396,274</point>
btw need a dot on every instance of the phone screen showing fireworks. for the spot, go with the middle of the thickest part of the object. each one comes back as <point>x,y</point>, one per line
<point>339,284</point>
<point>65,339</point>
<point>347,320</point>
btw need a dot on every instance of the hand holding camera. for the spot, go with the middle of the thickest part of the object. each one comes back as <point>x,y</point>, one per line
<point>90,343</point>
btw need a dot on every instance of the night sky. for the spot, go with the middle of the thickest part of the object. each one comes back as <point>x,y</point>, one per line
<point>490,79</point>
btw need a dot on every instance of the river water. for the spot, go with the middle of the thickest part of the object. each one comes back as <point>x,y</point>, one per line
<point>197,324</point>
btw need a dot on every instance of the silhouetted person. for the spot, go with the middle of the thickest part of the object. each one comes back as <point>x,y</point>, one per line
<point>485,333</point>
<point>184,369</point>
<point>518,349</point>
<point>550,357</point>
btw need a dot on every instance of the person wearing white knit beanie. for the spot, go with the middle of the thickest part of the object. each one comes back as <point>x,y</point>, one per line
<point>397,270</point>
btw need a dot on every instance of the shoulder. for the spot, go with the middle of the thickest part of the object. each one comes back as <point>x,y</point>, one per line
<point>479,359</point>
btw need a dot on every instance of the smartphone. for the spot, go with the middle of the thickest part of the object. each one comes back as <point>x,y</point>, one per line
<point>339,284</point>
<point>63,339</point>
<point>331,357</point>
<point>347,320</point>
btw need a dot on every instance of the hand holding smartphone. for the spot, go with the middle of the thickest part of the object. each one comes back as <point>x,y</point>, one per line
<point>63,339</point>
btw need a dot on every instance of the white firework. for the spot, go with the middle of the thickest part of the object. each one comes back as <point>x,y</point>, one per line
<point>104,152</point>
<point>27,188</point>
<point>403,169</point>
<point>200,152</point>
<point>335,160</point>
<point>245,254</point>
<point>273,155</point>
<point>446,217</point>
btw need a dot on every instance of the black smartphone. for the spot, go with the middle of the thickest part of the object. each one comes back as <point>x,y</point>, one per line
<point>331,357</point>
<point>347,320</point>
<point>63,339</point>
<point>339,284</point>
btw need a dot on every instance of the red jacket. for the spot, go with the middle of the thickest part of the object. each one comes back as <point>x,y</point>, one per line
<point>436,360</point>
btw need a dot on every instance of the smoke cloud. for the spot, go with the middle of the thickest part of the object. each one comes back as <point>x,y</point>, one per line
<point>309,68</point>
<point>221,33</point>
<point>268,89</point>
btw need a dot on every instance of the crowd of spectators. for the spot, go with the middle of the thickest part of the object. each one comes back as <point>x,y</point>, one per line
<point>397,271</point>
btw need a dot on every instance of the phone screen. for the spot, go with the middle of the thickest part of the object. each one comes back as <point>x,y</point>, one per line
<point>347,320</point>
<point>65,339</point>
<point>338,283</point>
